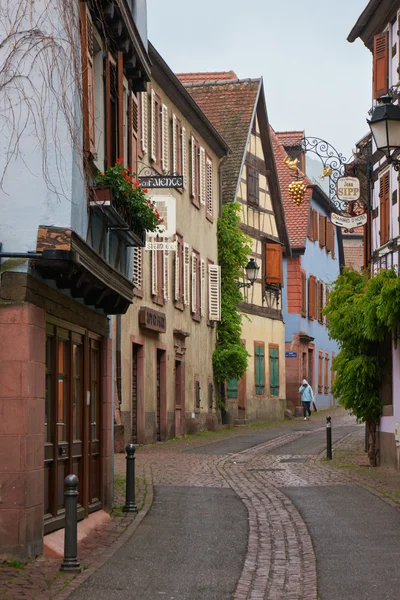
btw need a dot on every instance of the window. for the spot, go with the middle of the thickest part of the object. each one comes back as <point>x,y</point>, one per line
<point>322,231</point>
<point>252,186</point>
<point>156,130</point>
<point>320,300</point>
<point>274,370</point>
<point>209,189</point>
<point>259,367</point>
<point>312,297</point>
<point>303,294</point>
<point>384,207</point>
<point>214,292</point>
<point>273,264</point>
<point>89,144</point>
<point>194,174</point>
<point>320,370</point>
<point>326,380</point>
<point>177,150</point>
<point>381,64</point>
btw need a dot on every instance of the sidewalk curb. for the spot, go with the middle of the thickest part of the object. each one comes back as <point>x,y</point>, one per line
<point>111,550</point>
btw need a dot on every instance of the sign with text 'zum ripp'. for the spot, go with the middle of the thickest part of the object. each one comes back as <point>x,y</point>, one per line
<point>348,188</point>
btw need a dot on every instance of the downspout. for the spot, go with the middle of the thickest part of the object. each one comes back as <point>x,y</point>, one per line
<point>118,370</point>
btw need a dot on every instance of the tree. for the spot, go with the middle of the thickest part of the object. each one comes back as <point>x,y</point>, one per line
<point>362,312</point>
<point>230,356</point>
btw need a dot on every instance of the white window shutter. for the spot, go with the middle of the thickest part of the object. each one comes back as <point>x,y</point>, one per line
<point>209,186</point>
<point>214,292</point>
<point>194,282</point>
<point>202,287</point>
<point>184,158</point>
<point>193,164</point>
<point>186,274</point>
<point>174,145</point>
<point>153,126</point>
<point>165,138</point>
<point>177,274</point>
<point>202,172</point>
<point>154,282</point>
<point>145,121</point>
<point>137,267</point>
<point>166,274</point>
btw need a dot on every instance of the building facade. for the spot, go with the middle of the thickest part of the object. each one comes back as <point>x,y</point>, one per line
<point>378,27</point>
<point>169,333</point>
<point>317,254</point>
<point>66,260</point>
<point>237,109</point>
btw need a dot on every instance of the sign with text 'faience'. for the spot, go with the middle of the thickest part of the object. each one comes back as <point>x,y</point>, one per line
<point>348,188</point>
<point>161,181</point>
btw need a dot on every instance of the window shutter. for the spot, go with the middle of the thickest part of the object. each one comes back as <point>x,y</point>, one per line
<point>174,145</point>
<point>137,267</point>
<point>120,87</point>
<point>177,271</point>
<point>322,231</point>
<point>310,233</point>
<point>273,264</point>
<point>303,294</point>
<point>315,225</point>
<point>320,369</point>
<point>381,64</point>
<point>154,278</point>
<point>202,287</point>
<point>214,292</point>
<point>209,187</point>
<point>274,371</point>
<point>166,274</point>
<point>89,141</point>
<point>133,132</point>
<point>252,185</point>
<point>165,138</point>
<point>194,280</point>
<point>333,241</point>
<point>326,381</point>
<point>145,124</point>
<point>384,207</point>
<point>232,388</point>
<point>312,297</point>
<point>184,157</point>
<point>193,165</point>
<point>202,172</point>
<point>260,370</point>
<point>186,273</point>
<point>153,140</point>
<point>320,300</point>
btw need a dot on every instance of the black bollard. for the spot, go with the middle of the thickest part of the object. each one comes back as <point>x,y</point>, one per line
<point>70,562</point>
<point>328,438</point>
<point>130,505</point>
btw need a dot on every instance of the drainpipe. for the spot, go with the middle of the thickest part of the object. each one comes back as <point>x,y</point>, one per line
<point>118,370</point>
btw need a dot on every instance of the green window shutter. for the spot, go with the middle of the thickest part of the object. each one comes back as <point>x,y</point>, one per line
<point>260,371</point>
<point>274,371</point>
<point>232,388</point>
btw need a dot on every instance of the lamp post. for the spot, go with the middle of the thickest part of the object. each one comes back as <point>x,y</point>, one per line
<point>385,129</point>
<point>251,269</point>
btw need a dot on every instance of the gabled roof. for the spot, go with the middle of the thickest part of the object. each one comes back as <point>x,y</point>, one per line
<point>231,106</point>
<point>290,138</point>
<point>207,76</point>
<point>297,217</point>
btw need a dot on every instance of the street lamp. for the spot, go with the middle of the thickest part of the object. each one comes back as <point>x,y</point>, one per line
<point>385,128</point>
<point>251,269</point>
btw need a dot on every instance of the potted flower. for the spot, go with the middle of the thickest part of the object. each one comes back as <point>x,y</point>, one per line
<point>118,185</point>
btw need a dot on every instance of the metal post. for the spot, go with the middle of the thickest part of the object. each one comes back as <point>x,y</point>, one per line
<point>130,505</point>
<point>70,562</point>
<point>328,438</point>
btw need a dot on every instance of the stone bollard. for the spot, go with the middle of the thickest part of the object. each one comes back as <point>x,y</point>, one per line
<point>70,562</point>
<point>328,438</point>
<point>130,505</point>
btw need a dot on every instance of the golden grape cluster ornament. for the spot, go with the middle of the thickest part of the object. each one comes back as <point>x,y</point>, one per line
<point>297,191</point>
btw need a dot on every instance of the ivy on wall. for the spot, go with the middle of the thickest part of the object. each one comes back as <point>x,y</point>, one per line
<point>230,356</point>
<point>362,313</point>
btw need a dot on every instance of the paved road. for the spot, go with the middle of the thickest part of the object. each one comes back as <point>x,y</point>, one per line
<point>185,549</point>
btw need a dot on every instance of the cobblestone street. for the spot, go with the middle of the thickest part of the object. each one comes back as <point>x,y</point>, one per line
<point>276,558</point>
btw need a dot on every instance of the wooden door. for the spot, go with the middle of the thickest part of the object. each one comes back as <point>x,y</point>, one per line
<point>134,416</point>
<point>95,425</point>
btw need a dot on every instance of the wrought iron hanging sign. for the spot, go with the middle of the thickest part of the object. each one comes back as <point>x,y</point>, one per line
<point>348,188</point>
<point>161,181</point>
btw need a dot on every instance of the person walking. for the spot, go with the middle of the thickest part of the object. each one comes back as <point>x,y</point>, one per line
<point>307,396</point>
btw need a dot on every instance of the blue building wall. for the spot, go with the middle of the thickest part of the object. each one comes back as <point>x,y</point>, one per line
<point>315,261</point>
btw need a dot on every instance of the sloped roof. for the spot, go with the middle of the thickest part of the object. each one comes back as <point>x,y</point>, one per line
<point>206,76</point>
<point>229,106</point>
<point>290,138</point>
<point>297,217</point>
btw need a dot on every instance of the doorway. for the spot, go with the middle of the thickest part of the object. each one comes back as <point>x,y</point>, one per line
<point>161,395</point>
<point>310,370</point>
<point>178,398</point>
<point>135,383</point>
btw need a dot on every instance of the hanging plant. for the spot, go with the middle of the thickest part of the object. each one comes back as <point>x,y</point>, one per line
<point>129,197</point>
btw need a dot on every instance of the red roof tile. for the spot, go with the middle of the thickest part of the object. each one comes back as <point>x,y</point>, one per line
<point>290,138</point>
<point>296,216</point>
<point>207,76</point>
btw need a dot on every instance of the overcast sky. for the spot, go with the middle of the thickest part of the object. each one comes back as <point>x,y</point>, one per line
<point>313,78</point>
